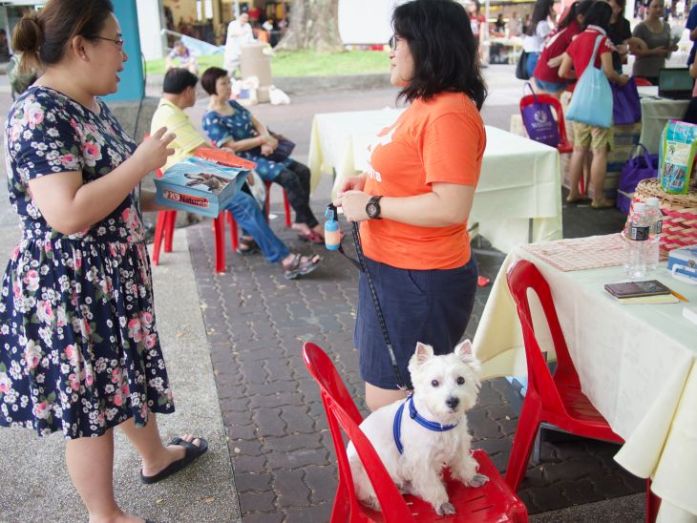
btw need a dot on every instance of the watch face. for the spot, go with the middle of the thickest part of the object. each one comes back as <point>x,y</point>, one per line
<point>372,210</point>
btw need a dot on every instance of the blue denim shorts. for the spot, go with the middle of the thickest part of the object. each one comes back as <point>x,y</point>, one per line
<point>431,306</point>
<point>550,87</point>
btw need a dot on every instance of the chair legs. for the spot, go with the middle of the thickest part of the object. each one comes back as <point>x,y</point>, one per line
<point>164,231</point>
<point>169,229</point>
<point>653,503</point>
<point>286,207</point>
<point>234,236</point>
<point>219,231</point>
<point>267,203</point>
<point>160,226</point>
<point>523,440</point>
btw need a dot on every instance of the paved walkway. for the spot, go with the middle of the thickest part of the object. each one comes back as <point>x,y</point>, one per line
<point>232,344</point>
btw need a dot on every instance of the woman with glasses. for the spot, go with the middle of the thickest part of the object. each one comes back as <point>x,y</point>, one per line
<point>79,348</point>
<point>414,201</point>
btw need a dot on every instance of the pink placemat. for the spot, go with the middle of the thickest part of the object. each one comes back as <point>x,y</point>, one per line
<point>577,254</point>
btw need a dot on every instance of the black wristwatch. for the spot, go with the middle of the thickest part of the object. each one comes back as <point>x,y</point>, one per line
<point>372,208</point>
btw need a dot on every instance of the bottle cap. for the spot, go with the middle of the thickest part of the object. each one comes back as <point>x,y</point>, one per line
<point>639,207</point>
<point>653,202</point>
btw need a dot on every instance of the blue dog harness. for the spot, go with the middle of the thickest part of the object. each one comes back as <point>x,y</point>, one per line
<point>413,414</point>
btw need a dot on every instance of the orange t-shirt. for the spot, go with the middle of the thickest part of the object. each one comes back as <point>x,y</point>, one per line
<point>441,140</point>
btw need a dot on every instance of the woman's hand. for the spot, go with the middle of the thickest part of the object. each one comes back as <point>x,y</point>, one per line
<point>352,183</point>
<point>270,140</point>
<point>152,153</point>
<point>622,79</point>
<point>266,149</point>
<point>554,62</point>
<point>353,203</point>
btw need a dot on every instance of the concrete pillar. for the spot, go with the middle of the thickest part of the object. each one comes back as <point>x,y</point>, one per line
<point>131,87</point>
<point>153,43</point>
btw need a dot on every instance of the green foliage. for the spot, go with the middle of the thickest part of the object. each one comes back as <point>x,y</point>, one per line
<point>303,63</point>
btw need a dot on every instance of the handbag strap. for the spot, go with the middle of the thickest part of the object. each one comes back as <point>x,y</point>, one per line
<point>598,39</point>
<point>532,91</point>
<point>644,152</point>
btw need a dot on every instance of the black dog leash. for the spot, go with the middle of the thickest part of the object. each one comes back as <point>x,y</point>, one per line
<point>363,267</point>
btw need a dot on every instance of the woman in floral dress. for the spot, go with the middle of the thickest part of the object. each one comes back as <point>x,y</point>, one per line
<point>79,349</point>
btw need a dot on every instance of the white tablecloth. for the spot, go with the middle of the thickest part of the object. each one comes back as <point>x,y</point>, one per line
<point>519,187</point>
<point>655,113</point>
<point>636,364</point>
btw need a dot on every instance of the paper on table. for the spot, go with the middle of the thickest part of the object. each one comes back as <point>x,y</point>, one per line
<point>577,254</point>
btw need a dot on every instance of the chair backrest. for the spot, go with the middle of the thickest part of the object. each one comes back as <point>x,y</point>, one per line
<point>564,144</point>
<point>521,277</point>
<point>342,414</point>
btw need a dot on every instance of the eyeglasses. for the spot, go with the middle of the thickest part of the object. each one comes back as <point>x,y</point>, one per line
<point>117,41</point>
<point>394,41</point>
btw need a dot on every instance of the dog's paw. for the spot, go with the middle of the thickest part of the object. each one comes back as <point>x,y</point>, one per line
<point>372,503</point>
<point>477,480</point>
<point>446,509</point>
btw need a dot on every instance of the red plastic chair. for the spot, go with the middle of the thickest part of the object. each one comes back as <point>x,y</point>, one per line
<point>267,203</point>
<point>640,81</point>
<point>556,399</point>
<point>494,502</point>
<point>564,147</point>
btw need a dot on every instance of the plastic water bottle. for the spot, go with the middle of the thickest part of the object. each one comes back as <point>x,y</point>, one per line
<point>637,242</point>
<point>332,235</point>
<point>654,206</point>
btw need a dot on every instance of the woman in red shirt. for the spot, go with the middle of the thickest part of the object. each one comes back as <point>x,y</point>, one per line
<point>574,62</point>
<point>547,69</point>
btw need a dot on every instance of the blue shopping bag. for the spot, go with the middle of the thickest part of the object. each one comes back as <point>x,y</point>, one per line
<point>591,102</point>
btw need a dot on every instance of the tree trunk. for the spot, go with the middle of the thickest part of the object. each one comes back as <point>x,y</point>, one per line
<point>313,25</point>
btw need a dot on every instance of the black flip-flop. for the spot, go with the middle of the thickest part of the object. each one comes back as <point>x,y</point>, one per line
<point>191,453</point>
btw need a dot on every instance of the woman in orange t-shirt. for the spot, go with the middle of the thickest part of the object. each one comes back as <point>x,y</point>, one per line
<point>415,199</point>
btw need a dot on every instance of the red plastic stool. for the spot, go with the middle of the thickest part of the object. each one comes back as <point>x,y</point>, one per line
<point>267,203</point>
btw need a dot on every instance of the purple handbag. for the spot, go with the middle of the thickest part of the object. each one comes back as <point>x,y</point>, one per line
<point>640,167</point>
<point>626,107</point>
<point>539,121</point>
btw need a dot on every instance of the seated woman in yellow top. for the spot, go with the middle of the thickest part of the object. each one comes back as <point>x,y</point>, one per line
<point>179,93</point>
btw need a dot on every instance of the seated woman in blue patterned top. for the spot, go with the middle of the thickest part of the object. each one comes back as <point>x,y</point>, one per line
<point>230,125</point>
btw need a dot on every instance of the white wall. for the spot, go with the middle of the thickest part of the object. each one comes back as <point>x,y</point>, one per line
<point>366,21</point>
<point>150,24</point>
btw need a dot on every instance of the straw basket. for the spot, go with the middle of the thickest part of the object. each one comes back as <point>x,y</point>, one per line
<point>679,215</point>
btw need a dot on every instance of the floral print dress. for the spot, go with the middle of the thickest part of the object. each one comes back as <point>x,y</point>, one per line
<point>239,126</point>
<point>79,350</point>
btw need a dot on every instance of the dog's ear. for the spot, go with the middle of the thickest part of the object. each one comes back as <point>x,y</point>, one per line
<point>464,351</point>
<point>422,353</point>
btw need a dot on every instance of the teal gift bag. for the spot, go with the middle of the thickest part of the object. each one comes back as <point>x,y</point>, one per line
<point>591,102</point>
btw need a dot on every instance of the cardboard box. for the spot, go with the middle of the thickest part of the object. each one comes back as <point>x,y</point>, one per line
<point>199,186</point>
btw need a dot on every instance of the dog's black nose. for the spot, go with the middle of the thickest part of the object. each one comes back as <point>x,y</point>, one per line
<point>452,402</point>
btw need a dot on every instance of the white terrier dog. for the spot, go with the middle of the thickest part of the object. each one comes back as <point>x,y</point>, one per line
<point>416,438</point>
